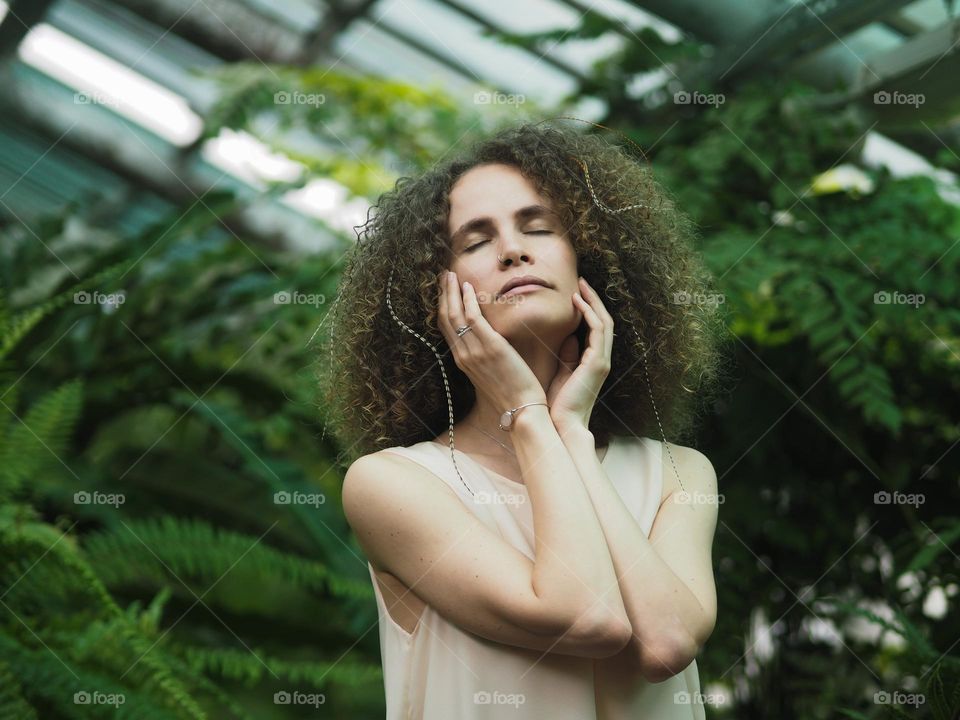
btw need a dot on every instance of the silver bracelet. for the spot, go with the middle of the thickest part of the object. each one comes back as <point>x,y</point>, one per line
<point>506,420</point>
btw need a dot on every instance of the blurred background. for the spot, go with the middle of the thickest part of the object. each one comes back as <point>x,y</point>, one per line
<point>179,182</point>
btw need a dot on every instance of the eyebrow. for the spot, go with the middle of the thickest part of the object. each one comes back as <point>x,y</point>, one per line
<point>481,223</point>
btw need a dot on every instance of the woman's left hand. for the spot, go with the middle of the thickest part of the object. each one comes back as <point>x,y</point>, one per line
<point>574,389</point>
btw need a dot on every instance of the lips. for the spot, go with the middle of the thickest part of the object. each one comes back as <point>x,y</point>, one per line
<point>521,280</point>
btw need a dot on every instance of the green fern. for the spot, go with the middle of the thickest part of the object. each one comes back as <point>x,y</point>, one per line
<point>162,549</point>
<point>250,667</point>
<point>39,437</point>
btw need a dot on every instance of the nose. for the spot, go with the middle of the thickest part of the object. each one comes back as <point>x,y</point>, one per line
<point>510,250</point>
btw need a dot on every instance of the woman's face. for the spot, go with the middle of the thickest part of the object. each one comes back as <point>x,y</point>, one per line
<point>495,210</point>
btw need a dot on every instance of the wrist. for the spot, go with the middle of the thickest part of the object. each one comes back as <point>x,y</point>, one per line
<point>530,417</point>
<point>574,433</point>
<point>570,425</point>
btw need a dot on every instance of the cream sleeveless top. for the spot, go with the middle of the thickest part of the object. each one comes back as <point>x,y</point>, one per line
<point>439,671</point>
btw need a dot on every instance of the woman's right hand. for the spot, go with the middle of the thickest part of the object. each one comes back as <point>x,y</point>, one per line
<point>491,363</point>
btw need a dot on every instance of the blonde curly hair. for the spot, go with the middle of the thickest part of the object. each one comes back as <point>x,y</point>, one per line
<point>379,386</point>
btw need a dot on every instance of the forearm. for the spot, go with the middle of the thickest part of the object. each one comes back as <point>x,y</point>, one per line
<point>572,563</point>
<point>666,617</point>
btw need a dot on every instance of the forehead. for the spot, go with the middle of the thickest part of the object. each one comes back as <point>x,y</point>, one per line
<point>491,190</point>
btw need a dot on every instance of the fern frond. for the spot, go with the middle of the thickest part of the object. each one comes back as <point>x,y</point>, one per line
<point>191,548</point>
<point>248,668</point>
<point>40,436</point>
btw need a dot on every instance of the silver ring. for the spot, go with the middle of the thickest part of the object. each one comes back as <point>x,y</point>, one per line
<point>463,330</point>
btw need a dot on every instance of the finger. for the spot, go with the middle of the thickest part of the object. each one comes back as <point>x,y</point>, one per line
<point>596,304</point>
<point>443,315</point>
<point>593,299</point>
<point>596,340</point>
<point>459,315</point>
<point>448,318</point>
<point>455,314</point>
<point>474,316</point>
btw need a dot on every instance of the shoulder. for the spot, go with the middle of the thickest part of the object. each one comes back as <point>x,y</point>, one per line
<point>384,481</point>
<point>372,473</point>
<point>696,471</point>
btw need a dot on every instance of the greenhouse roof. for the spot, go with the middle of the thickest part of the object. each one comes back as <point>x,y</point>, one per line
<point>103,96</point>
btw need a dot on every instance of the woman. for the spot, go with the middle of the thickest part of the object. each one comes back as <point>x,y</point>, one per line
<point>556,562</point>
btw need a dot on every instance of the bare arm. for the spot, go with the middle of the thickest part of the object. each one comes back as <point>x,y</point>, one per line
<point>667,580</point>
<point>566,601</point>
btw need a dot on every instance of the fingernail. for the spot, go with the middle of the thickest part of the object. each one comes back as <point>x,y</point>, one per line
<point>465,285</point>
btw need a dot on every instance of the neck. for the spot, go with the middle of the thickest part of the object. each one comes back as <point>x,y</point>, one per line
<point>485,413</point>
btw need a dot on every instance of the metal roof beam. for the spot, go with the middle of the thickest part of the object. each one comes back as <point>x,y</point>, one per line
<point>803,29</point>
<point>232,31</point>
<point>618,26</point>
<point>431,52</point>
<point>21,16</point>
<point>146,161</point>
<point>545,57</point>
<point>341,13</point>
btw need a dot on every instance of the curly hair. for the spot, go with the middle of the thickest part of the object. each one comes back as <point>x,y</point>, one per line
<point>381,386</point>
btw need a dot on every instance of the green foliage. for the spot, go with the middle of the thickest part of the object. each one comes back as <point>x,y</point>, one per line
<point>843,396</point>
<point>367,131</point>
<point>199,595</point>
<point>846,398</point>
<point>143,552</point>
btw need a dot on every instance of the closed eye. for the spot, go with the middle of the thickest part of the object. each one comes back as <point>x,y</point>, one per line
<point>529,232</point>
